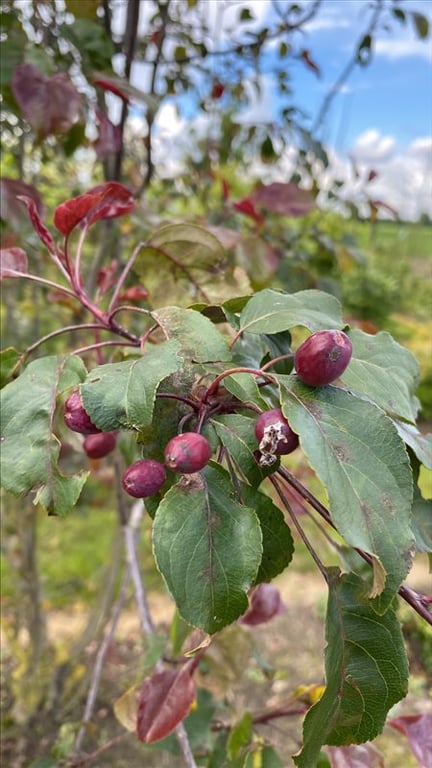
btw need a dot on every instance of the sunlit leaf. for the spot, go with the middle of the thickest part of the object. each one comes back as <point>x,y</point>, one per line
<point>356,451</point>
<point>271,311</point>
<point>185,264</point>
<point>196,335</point>
<point>106,201</point>
<point>122,394</point>
<point>384,371</point>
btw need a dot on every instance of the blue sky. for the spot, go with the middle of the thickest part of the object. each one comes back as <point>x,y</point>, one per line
<point>392,95</point>
<point>383,116</point>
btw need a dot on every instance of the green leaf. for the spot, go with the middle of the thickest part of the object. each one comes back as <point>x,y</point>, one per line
<point>358,455</point>
<point>277,541</point>
<point>364,51</point>
<point>122,394</point>
<point>384,371</point>
<point>61,493</point>
<point>237,434</point>
<point>263,756</point>
<point>8,360</point>
<point>196,335</point>
<point>420,444</point>
<point>208,548</point>
<point>366,671</point>
<point>179,631</point>
<point>244,387</point>
<point>272,311</point>
<point>246,15</point>
<point>422,524</point>
<point>186,264</point>
<point>421,24</point>
<point>240,735</point>
<point>29,448</point>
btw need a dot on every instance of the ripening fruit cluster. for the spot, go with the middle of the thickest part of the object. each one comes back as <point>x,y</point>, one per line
<point>185,453</point>
<point>321,359</point>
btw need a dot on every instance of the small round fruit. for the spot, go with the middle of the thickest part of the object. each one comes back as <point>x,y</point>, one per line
<point>76,417</point>
<point>144,478</point>
<point>187,453</point>
<point>323,357</point>
<point>98,446</point>
<point>274,434</point>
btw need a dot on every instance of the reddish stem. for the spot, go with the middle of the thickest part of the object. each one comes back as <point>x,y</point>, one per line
<point>214,386</point>
<point>416,600</point>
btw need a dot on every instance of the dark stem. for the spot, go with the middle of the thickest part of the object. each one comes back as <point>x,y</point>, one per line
<point>98,664</point>
<point>346,72</point>
<point>151,114</point>
<point>300,531</point>
<point>417,601</point>
<point>132,20</point>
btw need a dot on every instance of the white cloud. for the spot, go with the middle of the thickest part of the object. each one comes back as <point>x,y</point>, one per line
<point>402,48</point>
<point>372,147</point>
<point>403,179</point>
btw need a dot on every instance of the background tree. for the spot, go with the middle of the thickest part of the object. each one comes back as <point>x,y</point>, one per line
<point>83,85</point>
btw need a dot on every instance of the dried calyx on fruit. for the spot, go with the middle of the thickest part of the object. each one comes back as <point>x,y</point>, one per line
<point>323,357</point>
<point>275,436</point>
<point>100,445</point>
<point>76,417</point>
<point>187,453</point>
<point>144,478</point>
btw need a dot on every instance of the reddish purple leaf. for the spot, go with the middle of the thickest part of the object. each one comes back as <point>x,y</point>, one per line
<point>107,277</point>
<point>51,105</point>
<point>106,201</point>
<point>164,701</point>
<point>285,199</point>
<point>107,85</point>
<point>12,259</point>
<point>247,207</point>
<point>264,605</point>
<point>306,57</point>
<point>12,210</point>
<point>377,204</point>
<point>134,293</point>
<point>355,756</point>
<point>418,730</point>
<point>226,191</point>
<point>110,136</point>
<point>36,220</point>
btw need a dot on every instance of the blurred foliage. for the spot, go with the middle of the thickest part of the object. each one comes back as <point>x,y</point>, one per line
<point>381,270</point>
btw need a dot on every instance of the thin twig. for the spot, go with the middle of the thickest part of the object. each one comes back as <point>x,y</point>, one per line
<point>124,275</point>
<point>129,532</point>
<point>417,601</point>
<point>344,75</point>
<point>98,665</point>
<point>300,531</point>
